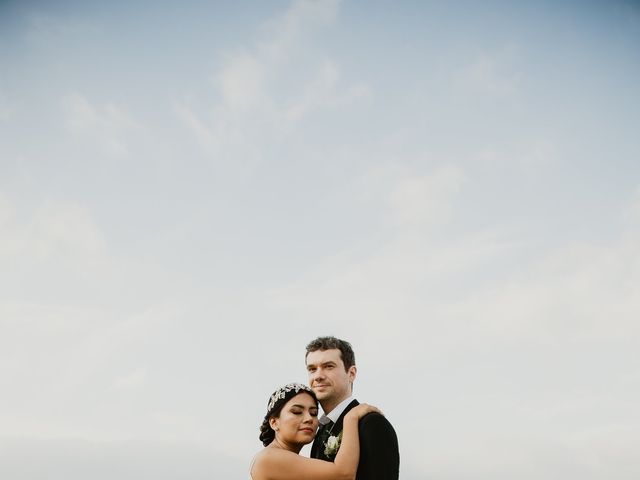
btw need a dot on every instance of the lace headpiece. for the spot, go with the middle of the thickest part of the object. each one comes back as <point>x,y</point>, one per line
<point>290,390</point>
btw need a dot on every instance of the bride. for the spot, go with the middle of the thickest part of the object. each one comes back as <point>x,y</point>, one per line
<point>290,423</point>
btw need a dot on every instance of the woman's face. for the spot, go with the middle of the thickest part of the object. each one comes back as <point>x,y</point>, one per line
<point>298,420</point>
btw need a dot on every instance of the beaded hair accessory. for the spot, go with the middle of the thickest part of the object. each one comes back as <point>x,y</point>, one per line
<point>282,392</point>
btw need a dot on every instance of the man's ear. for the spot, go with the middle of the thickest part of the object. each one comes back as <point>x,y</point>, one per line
<point>352,372</point>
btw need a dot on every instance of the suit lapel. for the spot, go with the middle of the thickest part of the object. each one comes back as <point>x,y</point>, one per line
<point>317,443</point>
<point>337,428</point>
<point>317,449</point>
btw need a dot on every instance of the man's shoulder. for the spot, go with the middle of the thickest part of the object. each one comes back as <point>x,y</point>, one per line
<point>371,421</point>
<point>375,423</point>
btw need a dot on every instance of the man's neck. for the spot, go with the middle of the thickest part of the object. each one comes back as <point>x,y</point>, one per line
<point>328,408</point>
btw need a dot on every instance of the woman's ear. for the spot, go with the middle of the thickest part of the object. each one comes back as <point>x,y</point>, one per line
<point>273,423</point>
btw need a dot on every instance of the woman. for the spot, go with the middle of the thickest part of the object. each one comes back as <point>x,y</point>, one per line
<point>290,423</point>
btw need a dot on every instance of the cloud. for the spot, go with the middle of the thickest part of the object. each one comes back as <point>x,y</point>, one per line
<point>477,292</point>
<point>410,200</point>
<point>54,229</point>
<point>286,31</point>
<point>383,283</point>
<point>489,74</point>
<point>580,293</point>
<point>66,227</point>
<point>242,82</point>
<point>77,356</point>
<point>106,126</point>
<point>425,199</point>
<point>531,155</point>
<point>323,92</point>
<point>265,90</point>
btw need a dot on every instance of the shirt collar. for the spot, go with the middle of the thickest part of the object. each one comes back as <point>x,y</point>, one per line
<point>334,414</point>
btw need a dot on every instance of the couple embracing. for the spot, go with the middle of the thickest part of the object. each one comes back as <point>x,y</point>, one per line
<point>354,440</point>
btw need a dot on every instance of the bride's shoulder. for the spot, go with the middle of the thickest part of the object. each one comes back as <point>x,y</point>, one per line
<point>269,456</point>
<point>265,461</point>
<point>258,464</point>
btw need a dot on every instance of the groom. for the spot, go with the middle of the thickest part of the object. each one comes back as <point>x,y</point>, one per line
<point>331,366</point>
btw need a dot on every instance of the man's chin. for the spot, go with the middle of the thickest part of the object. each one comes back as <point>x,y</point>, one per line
<point>321,394</point>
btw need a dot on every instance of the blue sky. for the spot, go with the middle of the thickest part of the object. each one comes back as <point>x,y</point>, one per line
<point>190,193</point>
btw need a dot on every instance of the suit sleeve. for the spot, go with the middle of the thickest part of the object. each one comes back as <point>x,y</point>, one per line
<point>379,453</point>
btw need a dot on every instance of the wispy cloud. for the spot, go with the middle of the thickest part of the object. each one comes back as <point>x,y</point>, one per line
<point>106,125</point>
<point>53,229</point>
<point>257,99</point>
<point>489,74</point>
<point>323,92</point>
<point>425,199</point>
<point>285,32</point>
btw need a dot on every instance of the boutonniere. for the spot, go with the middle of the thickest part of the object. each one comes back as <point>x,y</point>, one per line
<point>332,444</point>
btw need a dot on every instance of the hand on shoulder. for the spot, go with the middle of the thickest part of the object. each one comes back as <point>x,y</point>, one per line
<point>361,410</point>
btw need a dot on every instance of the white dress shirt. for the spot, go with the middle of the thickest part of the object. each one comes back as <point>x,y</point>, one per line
<point>334,414</point>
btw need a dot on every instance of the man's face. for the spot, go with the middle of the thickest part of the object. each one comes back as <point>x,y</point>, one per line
<point>328,378</point>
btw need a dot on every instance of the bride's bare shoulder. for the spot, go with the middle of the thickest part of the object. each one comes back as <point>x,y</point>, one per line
<point>269,457</point>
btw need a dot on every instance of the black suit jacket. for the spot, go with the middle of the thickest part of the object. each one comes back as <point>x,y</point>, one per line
<point>379,454</point>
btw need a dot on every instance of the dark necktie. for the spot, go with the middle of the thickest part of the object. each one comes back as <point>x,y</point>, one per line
<point>323,434</point>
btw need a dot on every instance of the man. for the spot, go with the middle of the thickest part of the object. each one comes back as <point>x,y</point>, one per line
<point>332,369</point>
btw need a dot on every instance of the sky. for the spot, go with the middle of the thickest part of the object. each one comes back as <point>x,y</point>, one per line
<point>192,191</point>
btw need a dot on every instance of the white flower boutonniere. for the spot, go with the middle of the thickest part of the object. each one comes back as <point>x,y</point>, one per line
<point>332,445</point>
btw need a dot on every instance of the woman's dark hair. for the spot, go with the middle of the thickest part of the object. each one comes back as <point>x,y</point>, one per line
<point>329,343</point>
<point>277,400</point>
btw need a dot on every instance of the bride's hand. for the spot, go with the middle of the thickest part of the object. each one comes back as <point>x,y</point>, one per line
<point>361,410</point>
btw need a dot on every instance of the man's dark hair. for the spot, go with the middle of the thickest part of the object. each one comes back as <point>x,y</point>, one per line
<point>330,343</point>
